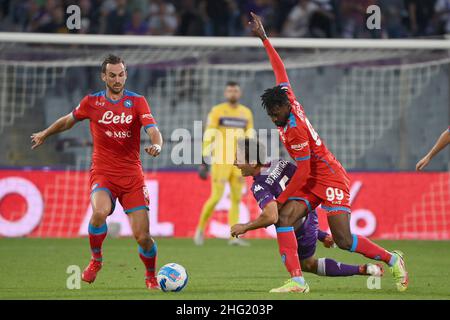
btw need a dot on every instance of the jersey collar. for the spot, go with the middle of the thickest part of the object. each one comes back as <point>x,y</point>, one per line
<point>291,122</point>
<point>125,93</point>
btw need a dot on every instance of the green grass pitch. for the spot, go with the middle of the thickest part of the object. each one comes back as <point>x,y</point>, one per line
<point>36,269</point>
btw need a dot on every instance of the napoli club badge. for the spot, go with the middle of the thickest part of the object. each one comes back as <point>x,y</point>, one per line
<point>127,103</point>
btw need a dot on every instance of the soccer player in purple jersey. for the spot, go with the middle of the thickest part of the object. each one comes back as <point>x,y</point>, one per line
<point>269,180</point>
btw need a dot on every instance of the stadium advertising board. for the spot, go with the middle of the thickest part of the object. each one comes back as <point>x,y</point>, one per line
<point>41,203</point>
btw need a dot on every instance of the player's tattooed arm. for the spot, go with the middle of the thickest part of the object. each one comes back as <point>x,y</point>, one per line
<point>60,125</point>
<point>156,140</point>
<point>268,217</point>
<point>441,143</point>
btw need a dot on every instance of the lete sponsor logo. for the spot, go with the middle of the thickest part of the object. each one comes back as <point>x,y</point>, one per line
<point>109,117</point>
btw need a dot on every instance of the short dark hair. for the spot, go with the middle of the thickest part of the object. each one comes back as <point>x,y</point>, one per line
<point>111,59</point>
<point>232,84</point>
<point>274,97</point>
<point>254,150</point>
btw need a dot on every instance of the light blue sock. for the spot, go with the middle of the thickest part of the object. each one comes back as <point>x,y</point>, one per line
<point>393,259</point>
<point>299,280</point>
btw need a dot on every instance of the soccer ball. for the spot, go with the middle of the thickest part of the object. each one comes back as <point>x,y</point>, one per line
<point>172,277</point>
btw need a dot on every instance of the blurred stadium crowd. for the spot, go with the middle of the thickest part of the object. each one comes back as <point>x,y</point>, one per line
<point>285,18</point>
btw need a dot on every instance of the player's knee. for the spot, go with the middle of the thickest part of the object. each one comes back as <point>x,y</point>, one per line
<point>286,218</point>
<point>290,213</point>
<point>101,212</point>
<point>283,220</point>
<point>142,238</point>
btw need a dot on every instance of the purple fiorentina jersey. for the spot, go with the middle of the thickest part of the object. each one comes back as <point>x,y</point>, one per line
<point>268,185</point>
<point>272,180</point>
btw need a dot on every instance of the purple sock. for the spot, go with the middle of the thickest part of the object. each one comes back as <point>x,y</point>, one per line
<point>330,268</point>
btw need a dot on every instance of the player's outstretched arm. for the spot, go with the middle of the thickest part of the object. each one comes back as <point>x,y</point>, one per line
<point>441,143</point>
<point>268,217</point>
<point>60,125</point>
<point>156,140</point>
<point>275,60</point>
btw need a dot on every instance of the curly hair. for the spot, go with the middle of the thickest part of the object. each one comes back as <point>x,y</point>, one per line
<point>274,98</point>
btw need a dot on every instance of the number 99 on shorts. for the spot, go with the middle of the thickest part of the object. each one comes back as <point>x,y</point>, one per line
<point>334,194</point>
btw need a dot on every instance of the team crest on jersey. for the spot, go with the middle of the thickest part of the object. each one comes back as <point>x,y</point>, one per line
<point>128,103</point>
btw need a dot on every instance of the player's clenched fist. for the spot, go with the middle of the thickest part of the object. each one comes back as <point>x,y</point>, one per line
<point>257,26</point>
<point>154,150</point>
<point>238,229</point>
<point>328,242</point>
<point>37,139</point>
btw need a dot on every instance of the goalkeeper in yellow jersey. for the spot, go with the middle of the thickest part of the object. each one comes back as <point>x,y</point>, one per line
<point>227,122</point>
